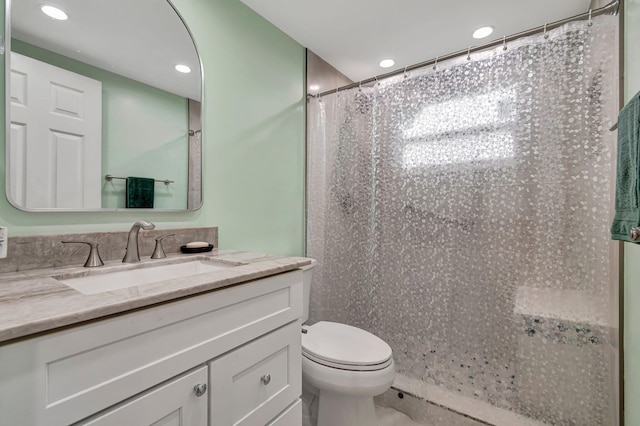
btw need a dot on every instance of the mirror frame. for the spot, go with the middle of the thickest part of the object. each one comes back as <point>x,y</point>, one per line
<point>5,50</point>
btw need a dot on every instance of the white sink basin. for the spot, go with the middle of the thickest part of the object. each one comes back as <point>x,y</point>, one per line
<point>100,282</point>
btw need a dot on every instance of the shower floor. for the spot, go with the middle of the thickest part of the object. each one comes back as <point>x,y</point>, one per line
<point>480,377</point>
<point>437,406</point>
<point>475,377</point>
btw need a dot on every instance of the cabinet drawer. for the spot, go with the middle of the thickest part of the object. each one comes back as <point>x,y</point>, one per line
<point>171,404</point>
<point>258,380</point>
<point>291,417</point>
<point>63,377</point>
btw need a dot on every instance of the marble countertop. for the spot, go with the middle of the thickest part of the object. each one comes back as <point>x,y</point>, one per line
<point>33,301</point>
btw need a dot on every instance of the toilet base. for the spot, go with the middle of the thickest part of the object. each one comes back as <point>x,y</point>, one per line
<point>343,397</point>
<point>345,410</point>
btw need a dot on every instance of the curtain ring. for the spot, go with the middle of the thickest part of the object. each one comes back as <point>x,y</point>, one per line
<point>435,64</point>
<point>469,54</point>
<point>376,78</point>
<point>546,34</point>
<point>590,21</point>
<point>405,72</point>
<point>360,86</point>
<point>504,43</point>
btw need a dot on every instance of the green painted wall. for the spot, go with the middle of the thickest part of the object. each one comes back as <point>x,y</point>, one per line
<point>144,131</point>
<point>632,251</point>
<point>253,134</point>
<point>255,114</point>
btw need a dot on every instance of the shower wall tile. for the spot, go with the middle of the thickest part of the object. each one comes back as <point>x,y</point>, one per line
<point>547,393</point>
<point>553,330</point>
<point>322,74</point>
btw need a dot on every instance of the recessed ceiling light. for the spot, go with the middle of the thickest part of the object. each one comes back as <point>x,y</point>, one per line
<point>387,63</point>
<point>54,12</point>
<point>482,32</point>
<point>314,87</point>
<point>183,69</point>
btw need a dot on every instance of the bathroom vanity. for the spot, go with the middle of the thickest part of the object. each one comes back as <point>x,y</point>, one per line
<point>214,348</point>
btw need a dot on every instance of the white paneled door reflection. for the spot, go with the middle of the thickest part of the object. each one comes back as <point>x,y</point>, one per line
<point>55,142</point>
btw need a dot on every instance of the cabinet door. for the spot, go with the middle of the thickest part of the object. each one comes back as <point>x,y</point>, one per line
<point>251,385</point>
<point>173,403</point>
<point>291,417</point>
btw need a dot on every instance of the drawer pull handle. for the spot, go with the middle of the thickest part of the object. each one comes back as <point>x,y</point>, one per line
<point>200,389</point>
<point>266,379</point>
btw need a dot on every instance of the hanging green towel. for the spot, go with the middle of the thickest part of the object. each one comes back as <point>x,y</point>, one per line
<point>628,171</point>
<point>140,193</point>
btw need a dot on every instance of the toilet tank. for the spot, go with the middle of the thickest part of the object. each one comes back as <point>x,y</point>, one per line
<point>307,274</point>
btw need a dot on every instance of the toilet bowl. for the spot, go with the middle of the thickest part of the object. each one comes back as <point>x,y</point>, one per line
<point>343,368</point>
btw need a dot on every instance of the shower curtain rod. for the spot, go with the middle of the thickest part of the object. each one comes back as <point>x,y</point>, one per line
<point>611,9</point>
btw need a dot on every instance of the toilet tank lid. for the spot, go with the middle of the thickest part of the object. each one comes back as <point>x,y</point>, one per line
<point>344,344</point>
<point>309,266</point>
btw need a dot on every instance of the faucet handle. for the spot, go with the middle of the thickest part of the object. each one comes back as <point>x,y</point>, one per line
<point>158,252</point>
<point>94,255</point>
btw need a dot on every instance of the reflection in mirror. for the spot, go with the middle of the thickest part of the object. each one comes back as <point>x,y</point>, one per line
<point>102,92</point>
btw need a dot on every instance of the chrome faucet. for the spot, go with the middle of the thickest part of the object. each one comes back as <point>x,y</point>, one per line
<point>133,255</point>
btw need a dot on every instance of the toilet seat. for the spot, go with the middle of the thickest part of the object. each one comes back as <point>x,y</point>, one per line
<point>345,347</point>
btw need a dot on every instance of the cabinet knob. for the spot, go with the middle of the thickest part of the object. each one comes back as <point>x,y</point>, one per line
<point>266,379</point>
<point>200,389</point>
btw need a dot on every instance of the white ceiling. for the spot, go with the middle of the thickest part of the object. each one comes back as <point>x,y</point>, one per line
<point>142,39</point>
<point>354,35</point>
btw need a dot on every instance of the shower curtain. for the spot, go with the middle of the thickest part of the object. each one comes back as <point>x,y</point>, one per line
<point>461,213</point>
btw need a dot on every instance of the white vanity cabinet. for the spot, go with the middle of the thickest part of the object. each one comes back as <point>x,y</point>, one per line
<point>258,380</point>
<point>142,367</point>
<point>170,404</point>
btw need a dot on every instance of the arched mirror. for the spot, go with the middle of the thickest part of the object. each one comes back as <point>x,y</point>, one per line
<point>104,108</point>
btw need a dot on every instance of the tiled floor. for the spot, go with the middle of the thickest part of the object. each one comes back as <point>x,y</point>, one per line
<point>425,413</point>
<point>391,417</point>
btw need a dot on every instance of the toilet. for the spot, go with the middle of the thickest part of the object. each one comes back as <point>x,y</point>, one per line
<point>343,368</point>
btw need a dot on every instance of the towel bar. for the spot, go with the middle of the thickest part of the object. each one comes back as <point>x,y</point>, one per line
<point>109,178</point>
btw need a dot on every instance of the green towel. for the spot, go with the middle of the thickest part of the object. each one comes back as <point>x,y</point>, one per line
<point>627,174</point>
<point>140,193</point>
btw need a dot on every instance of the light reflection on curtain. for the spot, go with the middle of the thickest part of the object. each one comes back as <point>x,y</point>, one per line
<point>462,214</point>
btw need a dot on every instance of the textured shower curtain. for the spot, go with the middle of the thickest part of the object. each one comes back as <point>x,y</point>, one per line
<point>461,214</point>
